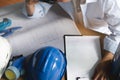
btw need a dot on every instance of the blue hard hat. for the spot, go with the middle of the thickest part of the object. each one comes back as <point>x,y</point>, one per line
<point>48,63</point>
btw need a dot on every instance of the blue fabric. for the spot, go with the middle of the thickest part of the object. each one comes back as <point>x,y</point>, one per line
<point>5,23</point>
<point>9,31</point>
<point>116,66</point>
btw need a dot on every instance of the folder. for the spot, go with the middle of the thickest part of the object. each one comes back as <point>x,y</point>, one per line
<point>82,54</point>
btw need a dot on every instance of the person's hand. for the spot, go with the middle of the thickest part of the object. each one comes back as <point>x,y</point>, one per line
<point>101,71</point>
<point>30,6</point>
<point>31,1</point>
<point>103,68</point>
<point>63,0</point>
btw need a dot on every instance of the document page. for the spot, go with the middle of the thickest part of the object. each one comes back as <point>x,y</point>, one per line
<point>82,53</point>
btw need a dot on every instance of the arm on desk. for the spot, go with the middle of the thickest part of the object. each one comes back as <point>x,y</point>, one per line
<point>104,67</point>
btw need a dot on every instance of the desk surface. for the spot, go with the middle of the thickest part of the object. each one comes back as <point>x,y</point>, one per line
<point>83,31</point>
<point>81,28</point>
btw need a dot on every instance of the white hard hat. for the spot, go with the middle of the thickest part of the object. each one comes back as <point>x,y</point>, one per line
<point>5,53</point>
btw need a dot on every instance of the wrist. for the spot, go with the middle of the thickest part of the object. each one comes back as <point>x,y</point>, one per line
<point>31,1</point>
<point>108,56</point>
<point>30,7</point>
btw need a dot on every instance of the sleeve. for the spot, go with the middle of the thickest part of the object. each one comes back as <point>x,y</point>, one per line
<point>112,17</point>
<point>41,9</point>
<point>68,7</point>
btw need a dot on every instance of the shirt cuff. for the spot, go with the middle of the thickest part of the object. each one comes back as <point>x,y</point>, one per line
<point>41,9</point>
<point>110,45</point>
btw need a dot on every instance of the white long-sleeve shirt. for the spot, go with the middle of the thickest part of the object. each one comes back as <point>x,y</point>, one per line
<point>104,16</point>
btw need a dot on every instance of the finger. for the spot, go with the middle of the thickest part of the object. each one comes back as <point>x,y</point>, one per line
<point>36,1</point>
<point>103,77</point>
<point>97,76</point>
<point>29,1</point>
<point>63,0</point>
<point>32,1</point>
<point>95,73</point>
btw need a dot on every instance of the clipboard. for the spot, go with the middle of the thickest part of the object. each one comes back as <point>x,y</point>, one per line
<point>83,54</point>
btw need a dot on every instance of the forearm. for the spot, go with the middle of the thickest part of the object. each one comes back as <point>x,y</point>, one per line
<point>63,0</point>
<point>30,9</point>
<point>103,69</point>
<point>31,1</point>
<point>108,56</point>
<point>30,6</point>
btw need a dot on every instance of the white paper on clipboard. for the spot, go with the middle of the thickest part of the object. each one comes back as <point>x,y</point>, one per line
<point>82,53</point>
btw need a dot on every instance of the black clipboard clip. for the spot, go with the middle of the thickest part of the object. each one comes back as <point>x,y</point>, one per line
<point>77,78</point>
